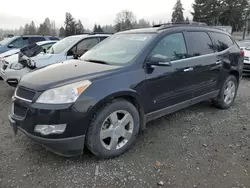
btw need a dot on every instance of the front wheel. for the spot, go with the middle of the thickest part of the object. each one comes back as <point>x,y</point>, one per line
<point>227,93</point>
<point>113,129</point>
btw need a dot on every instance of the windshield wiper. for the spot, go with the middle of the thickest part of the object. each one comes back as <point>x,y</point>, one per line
<point>96,61</point>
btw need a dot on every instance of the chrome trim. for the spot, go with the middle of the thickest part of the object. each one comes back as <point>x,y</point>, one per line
<point>21,97</point>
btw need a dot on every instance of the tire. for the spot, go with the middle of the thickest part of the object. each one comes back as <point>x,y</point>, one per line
<point>104,121</point>
<point>220,102</point>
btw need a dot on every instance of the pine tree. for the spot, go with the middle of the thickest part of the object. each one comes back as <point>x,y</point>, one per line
<point>95,28</point>
<point>70,25</point>
<point>32,28</point>
<point>187,19</point>
<point>99,29</point>
<point>61,32</point>
<point>26,29</point>
<point>79,27</point>
<point>177,15</point>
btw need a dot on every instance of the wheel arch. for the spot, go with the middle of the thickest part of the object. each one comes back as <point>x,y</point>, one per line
<point>130,96</point>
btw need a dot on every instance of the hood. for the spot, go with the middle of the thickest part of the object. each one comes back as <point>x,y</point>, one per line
<point>62,73</point>
<point>12,58</point>
<point>9,53</point>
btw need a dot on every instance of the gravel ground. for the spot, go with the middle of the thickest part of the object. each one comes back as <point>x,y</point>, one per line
<point>197,147</point>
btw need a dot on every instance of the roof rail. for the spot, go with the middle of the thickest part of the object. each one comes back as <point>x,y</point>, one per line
<point>94,33</point>
<point>180,23</point>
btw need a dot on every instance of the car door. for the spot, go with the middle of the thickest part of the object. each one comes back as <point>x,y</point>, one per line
<point>206,66</point>
<point>83,46</point>
<point>172,85</point>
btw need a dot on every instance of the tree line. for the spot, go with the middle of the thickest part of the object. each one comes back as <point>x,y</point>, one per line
<point>212,12</point>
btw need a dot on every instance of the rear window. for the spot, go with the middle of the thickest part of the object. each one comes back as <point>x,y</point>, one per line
<point>199,43</point>
<point>221,41</point>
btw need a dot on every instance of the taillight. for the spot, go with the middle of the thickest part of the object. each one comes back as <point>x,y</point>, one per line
<point>242,52</point>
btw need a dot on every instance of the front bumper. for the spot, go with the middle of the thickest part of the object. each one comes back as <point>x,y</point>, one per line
<point>12,76</point>
<point>26,115</point>
<point>246,68</point>
<point>66,147</point>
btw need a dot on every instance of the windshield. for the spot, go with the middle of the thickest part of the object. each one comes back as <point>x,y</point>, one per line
<point>63,44</point>
<point>118,49</point>
<point>6,41</point>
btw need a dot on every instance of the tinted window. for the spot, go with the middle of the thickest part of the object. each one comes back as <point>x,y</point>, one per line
<point>221,41</point>
<point>172,46</point>
<point>53,38</point>
<point>199,43</point>
<point>102,38</point>
<point>87,44</point>
<point>20,42</point>
<point>35,39</point>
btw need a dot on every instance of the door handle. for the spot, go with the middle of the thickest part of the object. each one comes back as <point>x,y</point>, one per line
<point>188,69</point>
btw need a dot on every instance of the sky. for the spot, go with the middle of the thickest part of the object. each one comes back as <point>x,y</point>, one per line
<point>15,13</point>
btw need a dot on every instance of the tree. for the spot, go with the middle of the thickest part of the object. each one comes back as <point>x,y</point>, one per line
<point>61,32</point>
<point>26,29</point>
<point>177,15</point>
<point>79,27</point>
<point>124,20</point>
<point>187,19</point>
<point>70,25</point>
<point>95,29</point>
<point>221,12</point>
<point>142,23</point>
<point>32,28</point>
<point>53,28</point>
<point>99,29</point>
<point>108,29</point>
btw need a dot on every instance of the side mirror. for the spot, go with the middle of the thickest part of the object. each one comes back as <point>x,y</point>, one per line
<point>70,53</point>
<point>10,46</point>
<point>159,60</point>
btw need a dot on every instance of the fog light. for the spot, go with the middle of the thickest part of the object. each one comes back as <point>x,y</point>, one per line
<point>50,129</point>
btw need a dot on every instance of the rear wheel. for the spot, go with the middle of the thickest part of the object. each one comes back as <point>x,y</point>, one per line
<point>113,129</point>
<point>227,93</point>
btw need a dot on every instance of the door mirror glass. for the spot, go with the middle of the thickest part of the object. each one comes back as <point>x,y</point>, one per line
<point>10,46</point>
<point>159,60</point>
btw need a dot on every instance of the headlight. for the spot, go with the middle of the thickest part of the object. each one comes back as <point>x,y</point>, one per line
<point>16,66</point>
<point>65,94</point>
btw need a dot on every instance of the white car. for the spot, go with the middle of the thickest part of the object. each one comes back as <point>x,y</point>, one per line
<point>246,66</point>
<point>67,48</point>
<point>9,65</point>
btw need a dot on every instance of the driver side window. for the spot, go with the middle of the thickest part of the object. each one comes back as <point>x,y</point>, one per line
<point>86,45</point>
<point>173,46</point>
<point>20,42</point>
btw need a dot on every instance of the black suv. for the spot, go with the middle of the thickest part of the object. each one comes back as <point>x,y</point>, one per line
<point>107,96</point>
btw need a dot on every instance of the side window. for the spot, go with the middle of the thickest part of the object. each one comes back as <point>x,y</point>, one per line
<point>172,46</point>
<point>47,46</point>
<point>86,45</point>
<point>53,38</point>
<point>33,40</point>
<point>102,38</point>
<point>20,42</point>
<point>199,43</point>
<point>221,41</point>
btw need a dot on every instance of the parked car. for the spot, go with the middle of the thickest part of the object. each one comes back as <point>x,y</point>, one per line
<point>11,71</point>
<point>67,48</point>
<point>21,41</point>
<point>104,98</point>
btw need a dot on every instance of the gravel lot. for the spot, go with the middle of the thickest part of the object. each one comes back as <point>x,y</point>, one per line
<point>197,147</point>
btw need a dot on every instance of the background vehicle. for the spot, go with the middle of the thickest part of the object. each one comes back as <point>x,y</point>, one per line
<point>106,97</point>
<point>9,64</point>
<point>21,41</point>
<point>67,48</point>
